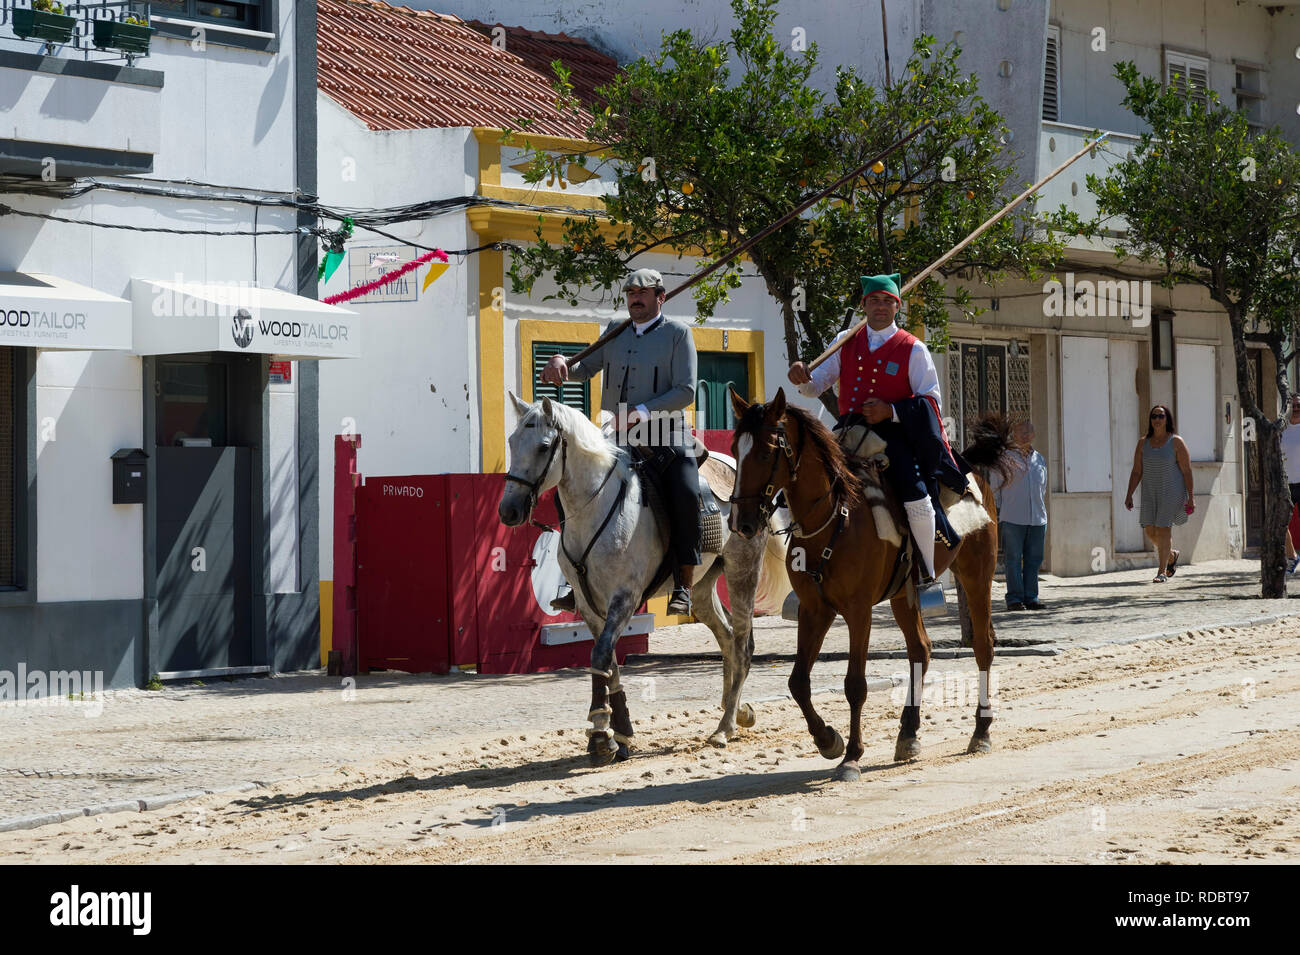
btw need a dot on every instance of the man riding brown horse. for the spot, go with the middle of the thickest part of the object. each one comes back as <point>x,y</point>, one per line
<point>650,379</point>
<point>887,380</point>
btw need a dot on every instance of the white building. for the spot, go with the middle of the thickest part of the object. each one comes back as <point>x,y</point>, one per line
<point>118,339</point>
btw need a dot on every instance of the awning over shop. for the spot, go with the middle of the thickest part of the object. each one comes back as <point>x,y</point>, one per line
<point>45,311</point>
<point>173,317</point>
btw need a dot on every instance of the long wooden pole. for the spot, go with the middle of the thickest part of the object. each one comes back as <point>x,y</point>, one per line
<point>929,269</point>
<point>760,236</point>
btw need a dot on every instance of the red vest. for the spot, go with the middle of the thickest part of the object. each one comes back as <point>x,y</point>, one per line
<point>882,373</point>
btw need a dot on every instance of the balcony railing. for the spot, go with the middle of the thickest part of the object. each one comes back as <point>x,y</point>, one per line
<point>90,42</point>
<point>1057,142</point>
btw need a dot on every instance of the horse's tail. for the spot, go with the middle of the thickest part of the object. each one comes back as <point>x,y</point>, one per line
<point>773,578</point>
<point>988,452</point>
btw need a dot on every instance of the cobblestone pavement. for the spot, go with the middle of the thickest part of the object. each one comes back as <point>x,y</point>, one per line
<point>140,749</point>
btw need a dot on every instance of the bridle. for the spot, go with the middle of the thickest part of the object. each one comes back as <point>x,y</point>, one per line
<point>534,485</point>
<point>766,504</point>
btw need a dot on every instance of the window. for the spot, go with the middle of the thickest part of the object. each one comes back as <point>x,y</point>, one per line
<point>1189,75</point>
<point>1051,75</point>
<point>191,404</point>
<point>575,394</point>
<point>246,15</point>
<point>1162,342</point>
<point>1249,91</point>
<point>8,466</point>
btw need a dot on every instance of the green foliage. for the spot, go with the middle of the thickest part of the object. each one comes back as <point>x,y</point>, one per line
<point>738,137</point>
<point>136,21</point>
<point>155,683</point>
<point>48,6</point>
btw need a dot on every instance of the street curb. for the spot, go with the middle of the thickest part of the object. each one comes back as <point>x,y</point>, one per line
<point>1171,634</point>
<point>143,804</point>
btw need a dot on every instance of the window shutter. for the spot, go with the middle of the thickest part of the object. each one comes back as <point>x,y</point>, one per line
<point>575,394</point>
<point>1051,75</point>
<point>1188,75</point>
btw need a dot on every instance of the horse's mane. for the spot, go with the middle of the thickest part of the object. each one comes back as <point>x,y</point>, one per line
<point>832,456</point>
<point>582,435</point>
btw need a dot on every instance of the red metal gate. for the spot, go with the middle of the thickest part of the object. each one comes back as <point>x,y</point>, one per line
<point>440,582</point>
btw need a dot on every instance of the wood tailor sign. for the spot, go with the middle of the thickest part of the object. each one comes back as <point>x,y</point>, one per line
<point>177,317</point>
<point>45,311</point>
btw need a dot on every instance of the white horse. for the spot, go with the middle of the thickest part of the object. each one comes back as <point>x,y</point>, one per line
<point>611,548</point>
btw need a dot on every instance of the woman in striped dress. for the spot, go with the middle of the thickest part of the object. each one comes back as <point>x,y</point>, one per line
<point>1163,467</point>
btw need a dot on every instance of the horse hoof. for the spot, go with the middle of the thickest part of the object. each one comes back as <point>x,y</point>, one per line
<point>623,753</point>
<point>907,749</point>
<point>980,744</point>
<point>836,749</point>
<point>600,751</point>
<point>745,715</point>
<point>718,739</point>
<point>847,773</point>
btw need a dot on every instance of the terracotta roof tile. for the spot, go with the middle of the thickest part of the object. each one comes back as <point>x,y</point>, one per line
<point>397,68</point>
<point>589,68</point>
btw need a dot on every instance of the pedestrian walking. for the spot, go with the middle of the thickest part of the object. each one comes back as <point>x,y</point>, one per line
<point>1022,518</point>
<point>1163,467</point>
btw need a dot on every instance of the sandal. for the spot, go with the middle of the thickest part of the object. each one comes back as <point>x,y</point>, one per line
<point>1173,559</point>
<point>1159,579</point>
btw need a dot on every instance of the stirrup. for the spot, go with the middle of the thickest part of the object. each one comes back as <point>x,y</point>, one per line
<point>929,595</point>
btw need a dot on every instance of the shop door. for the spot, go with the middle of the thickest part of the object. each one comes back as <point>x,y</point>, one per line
<point>204,514</point>
<point>714,372</point>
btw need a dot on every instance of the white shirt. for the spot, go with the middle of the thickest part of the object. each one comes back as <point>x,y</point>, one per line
<point>921,374</point>
<point>1291,452</point>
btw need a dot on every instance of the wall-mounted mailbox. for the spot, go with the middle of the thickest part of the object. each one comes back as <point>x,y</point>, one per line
<point>129,482</point>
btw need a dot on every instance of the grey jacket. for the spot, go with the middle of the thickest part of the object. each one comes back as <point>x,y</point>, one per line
<point>656,369</point>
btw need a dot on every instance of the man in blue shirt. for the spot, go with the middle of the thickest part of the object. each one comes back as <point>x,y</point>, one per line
<point>1022,518</point>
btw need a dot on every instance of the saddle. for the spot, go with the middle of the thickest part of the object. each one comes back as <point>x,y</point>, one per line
<point>965,512</point>
<point>651,463</point>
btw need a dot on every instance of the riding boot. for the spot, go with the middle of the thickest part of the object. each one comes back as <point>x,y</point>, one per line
<point>680,601</point>
<point>565,600</point>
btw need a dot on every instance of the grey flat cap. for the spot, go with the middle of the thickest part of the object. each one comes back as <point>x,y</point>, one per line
<point>643,278</point>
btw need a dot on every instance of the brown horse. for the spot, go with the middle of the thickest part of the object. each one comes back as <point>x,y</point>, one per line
<point>780,447</point>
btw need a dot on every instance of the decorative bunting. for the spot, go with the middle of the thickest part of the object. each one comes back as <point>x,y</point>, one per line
<point>383,280</point>
<point>435,272</point>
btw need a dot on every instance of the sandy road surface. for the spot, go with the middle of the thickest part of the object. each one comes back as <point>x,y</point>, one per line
<point>1184,750</point>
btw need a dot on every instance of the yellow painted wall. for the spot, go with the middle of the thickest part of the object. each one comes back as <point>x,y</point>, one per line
<point>326,620</point>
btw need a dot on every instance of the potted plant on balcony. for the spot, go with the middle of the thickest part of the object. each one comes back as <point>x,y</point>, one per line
<point>130,35</point>
<point>44,20</point>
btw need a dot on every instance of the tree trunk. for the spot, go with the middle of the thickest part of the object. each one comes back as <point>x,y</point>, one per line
<point>1277,500</point>
<point>1277,509</point>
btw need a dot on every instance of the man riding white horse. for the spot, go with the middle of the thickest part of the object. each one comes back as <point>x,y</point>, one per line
<point>650,378</point>
<point>887,381</point>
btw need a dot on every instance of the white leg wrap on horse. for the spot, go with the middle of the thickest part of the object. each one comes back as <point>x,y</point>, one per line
<point>920,515</point>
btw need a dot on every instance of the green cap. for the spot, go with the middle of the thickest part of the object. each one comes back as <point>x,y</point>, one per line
<point>881,283</point>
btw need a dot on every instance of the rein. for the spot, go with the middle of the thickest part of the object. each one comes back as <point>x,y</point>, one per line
<point>580,565</point>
